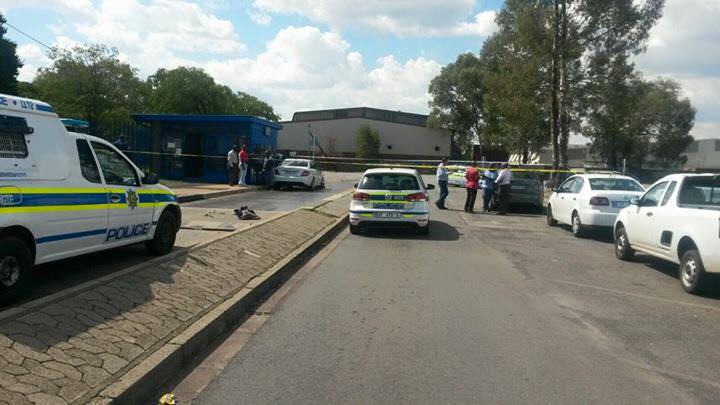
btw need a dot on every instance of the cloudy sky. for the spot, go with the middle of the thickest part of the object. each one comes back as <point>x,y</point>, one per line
<point>309,54</point>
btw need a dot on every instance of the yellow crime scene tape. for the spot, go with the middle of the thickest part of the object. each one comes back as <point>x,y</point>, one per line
<point>392,163</point>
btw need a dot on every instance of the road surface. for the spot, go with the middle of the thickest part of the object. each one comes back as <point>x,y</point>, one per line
<point>486,310</point>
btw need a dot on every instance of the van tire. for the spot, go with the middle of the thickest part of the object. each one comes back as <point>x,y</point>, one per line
<point>16,264</point>
<point>165,234</point>
<point>355,229</point>
<point>693,277</point>
<point>623,250</point>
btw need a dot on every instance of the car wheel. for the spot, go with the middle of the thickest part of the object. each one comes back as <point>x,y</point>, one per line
<point>424,230</point>
<point>551,221</point>
<point>692,272</point>
<point>355,229</point>
<point>578,230</point>
<point>15,267</point>
<point>623,251</point>
<point>165,233</point>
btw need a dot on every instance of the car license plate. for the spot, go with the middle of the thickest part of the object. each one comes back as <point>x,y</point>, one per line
<point>388,214</point>
<point>386,206</point>
<point>620,204</point>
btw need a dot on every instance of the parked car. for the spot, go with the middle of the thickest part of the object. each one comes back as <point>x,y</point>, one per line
<point>591,200</point>
<point>526,190</point>
<point>456,177</point>
<point>298,173</point>
<point>676,220</point>
<point>390,198</point>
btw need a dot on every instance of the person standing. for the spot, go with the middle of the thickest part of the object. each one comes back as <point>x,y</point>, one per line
<point>442,179</point>
<point>503,183</point>
<point>244,158</point>
<point>472,178</point>
<point>233,162</point>
<point>488,186</point>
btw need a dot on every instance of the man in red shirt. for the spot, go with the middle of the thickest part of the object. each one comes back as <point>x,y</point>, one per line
<point>243,165</point>
<point>473,182</point>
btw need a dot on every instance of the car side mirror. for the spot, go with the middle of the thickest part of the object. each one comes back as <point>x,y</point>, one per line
<point>151,179</point>
<point>430,187</point>
<point>635,201</point>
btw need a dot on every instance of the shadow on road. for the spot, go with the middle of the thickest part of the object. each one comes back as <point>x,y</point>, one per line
<point>439,231</point>
<point>712,290</point>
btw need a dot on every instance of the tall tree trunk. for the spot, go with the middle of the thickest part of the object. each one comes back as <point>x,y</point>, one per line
<point>564,116</point>
<point>555,93</point>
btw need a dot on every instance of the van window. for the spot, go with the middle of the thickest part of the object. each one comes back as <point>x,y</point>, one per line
<point>115,168</point>
<point>88,167</point>
<point>700,191</point>
<point>12,137</point>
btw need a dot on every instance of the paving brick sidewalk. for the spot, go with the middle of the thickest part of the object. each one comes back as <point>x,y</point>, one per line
<point>69,349</point>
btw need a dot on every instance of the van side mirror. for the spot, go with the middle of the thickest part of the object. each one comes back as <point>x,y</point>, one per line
<point>635,201</point>
<point>151,179</point>
<point>430,187</point>
<point>355,185</point>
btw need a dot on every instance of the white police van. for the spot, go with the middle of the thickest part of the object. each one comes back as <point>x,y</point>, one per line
<point>64,194</point>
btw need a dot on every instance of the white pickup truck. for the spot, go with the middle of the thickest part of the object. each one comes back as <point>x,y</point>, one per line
<point>678,220</point>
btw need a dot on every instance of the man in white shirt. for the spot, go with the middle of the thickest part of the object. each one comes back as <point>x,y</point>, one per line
<point>503,182</point>
<point>442,179</point>
<point>233,162</point>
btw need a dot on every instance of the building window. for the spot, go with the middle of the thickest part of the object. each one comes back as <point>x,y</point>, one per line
<point>389,146</point>
<point>437,149</point>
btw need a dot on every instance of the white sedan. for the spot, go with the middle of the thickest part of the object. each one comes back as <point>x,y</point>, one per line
<point>298,173</point>
<point>591,200</point>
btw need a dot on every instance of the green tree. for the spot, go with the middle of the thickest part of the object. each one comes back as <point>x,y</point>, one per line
<point>514,80</point>
<point>28,90</point>
<point>367,143</point>
<point>631,118</point>
<point>91,83</point>
<point>9,62</point>
<point>189,90</point>
<point>246,104</point>
<point>457,102</point>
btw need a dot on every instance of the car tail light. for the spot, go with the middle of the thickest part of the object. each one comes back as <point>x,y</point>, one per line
<point>416,197</point>
<point>599,201</point>
<point>358,196</point>
<point>305,173</point>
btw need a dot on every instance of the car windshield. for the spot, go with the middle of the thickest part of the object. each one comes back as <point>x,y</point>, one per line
<point>296,163</point>
<point>389,181</point>
<point>613,184</point>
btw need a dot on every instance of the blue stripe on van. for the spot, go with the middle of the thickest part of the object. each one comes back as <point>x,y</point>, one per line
<point>37,200</point>
<point>45,108</point>
<point>74,235</point>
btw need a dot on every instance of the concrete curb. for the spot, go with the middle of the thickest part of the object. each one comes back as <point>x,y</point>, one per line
<point>213,194</point>
<point>143,380</point>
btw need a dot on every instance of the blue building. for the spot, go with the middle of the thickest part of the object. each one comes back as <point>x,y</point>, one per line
<point>195,147</point>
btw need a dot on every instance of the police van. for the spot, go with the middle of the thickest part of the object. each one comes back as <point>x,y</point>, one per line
<point>64,194</point>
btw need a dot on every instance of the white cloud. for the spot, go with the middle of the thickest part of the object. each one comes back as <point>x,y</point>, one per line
<point>398,17</point>
<point>304,68</point>
<point>685,46</point>
<point>33,58</point>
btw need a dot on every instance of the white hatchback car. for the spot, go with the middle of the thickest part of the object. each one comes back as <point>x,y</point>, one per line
<point>591,200</point>
<point>299,173</point>
<point>390,198</point>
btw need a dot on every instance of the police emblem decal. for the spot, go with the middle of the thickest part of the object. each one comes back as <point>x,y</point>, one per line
<point>132,199</point>
<point>388,197</point>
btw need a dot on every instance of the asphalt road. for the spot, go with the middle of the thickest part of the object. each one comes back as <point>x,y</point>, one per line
<point>486,310</point>
<point>56,276</point>
<point>282,200</point>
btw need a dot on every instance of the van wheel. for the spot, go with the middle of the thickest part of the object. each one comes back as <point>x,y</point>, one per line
<point>424,230</point>
<point>355,229</point>
<point>692,272</point>
<point>15,267</point>
<point>165,233</point>
<point>551,221</point>
<point>578,230</point>
<point>623,251</point>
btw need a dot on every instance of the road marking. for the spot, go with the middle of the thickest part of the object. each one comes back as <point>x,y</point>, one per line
<point>634,295</point>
